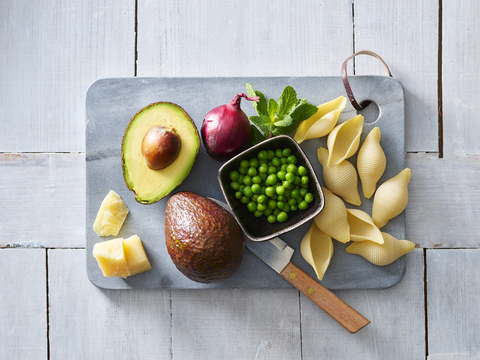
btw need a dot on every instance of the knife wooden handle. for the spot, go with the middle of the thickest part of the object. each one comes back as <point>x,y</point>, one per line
<point>339,310</point>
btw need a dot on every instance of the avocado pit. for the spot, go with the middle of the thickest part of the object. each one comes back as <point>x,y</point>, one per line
<point>160,147</point>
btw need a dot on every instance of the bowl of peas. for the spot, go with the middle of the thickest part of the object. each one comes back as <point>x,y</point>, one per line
<point>271,188</point>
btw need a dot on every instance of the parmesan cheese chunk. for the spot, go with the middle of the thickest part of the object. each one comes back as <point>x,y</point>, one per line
<point>111,215</point>
<point>110,256</point>
<point>135,254</point>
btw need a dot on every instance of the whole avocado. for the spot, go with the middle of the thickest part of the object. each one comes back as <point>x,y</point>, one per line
<point>202,238</point>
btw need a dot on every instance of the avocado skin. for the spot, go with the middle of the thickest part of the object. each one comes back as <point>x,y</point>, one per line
<point>202,238</point>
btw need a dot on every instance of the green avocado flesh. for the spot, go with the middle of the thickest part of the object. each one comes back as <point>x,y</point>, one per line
<point>203,239</point>
<point>152,185</point>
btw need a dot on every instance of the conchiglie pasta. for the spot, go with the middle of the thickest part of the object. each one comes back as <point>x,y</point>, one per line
<point>371,162</point>
<point>362,227</point>
<point>317,250</point>
<point>384,254</point>
<point>344,140</point>
<point>332,220</point>
<point>391,198</point>
<point>341,179</point>
<point>322,122</point>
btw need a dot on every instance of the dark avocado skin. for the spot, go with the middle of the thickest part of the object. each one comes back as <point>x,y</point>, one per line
<point>202,238</point>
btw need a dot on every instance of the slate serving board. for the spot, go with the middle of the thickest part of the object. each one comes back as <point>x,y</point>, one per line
<point>111,103</point>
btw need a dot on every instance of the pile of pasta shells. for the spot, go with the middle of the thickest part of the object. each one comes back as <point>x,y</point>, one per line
<point>341,177</point>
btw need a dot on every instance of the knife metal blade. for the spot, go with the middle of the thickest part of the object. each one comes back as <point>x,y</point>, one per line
<point>277,254</point>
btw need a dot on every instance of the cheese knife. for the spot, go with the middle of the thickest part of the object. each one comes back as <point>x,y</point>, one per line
<point>277,254</point>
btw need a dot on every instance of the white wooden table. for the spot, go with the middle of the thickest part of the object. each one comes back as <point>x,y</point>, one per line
<point>50,53</point>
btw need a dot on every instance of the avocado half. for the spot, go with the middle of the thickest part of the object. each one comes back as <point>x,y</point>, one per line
<point>150,185</point>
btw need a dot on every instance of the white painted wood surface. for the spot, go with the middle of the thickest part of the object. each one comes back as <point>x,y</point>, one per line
<point>23,304</point>
<point>51,52</point>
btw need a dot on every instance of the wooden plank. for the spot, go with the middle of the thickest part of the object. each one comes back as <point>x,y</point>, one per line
<point>23,304</point>
<point>243,38</point>
<point>444,201</point>
<point>461,76</point>
<point>405,35</point>
<point>236,324</point>
<point>103,324</point>
<point>396,331</point>
<point>51,52</point>
<point>453,288</point>
<point>43,200</point>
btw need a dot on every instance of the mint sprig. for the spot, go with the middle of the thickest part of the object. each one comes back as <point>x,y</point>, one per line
<point>278,118</point>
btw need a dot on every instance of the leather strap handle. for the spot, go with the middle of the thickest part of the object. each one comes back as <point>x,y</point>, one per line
<point>346,83</point>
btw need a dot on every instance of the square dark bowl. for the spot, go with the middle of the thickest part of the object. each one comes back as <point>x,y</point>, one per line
<point>258,228</point>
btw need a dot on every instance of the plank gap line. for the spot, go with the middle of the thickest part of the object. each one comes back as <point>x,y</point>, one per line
<point>440,78</point>
<point>425,299</point>
<point>47,304</point>
<point>135,61</point>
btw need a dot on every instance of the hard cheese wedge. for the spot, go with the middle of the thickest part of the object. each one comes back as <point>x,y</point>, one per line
<point>136,258</point>
<point>121,258</point>
<point>111,215</point>
<point>110,256</point>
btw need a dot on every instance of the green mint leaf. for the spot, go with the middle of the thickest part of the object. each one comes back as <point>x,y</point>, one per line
<point>261,120</point>
<point>255,136</point>
<point>260,106</point>
<point>303,112</point>
<point>272,108</point>
<point>284,121</point>
<point>286,101</point>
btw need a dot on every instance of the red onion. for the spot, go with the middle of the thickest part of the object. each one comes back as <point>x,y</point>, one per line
<point>226,129</point>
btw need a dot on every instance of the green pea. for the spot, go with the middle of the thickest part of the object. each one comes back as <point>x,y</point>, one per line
<point>245,164</point>
<point>279,153</point>
<point>267,212</point>
<point>295,193</point>
<point>254,163</point>
<point>263,169</point>
<point>281,197</point>
<point>271,204</point>
<point>286,152</point>
<point>291,168</point>
<point>283,160</point>
<point>290,177</point>
<point>271,170</point>
<point>258,213</point>
<point>254,197</point>
<point>282,216</point>
<point>292,159</point>
<point>305,180</point>
<point>302,205</point>
<point>238,194</point>
<point>276,211</point>
<point>243,170</point>
<point>283,167</point>
<point>251,206</point>
<point>292,202</point>
<point>281,175</point>
<point>234,175</point>
<point>270,191</point>
<point>244,199</point>
<point>248,191</point>
<point>256,188</point>
<point>247,180</point>
<point>251,171</point>
<point>280,190</point>
<point>287,185</point>
<point>263,155</point>
<point>303,192</point>
<point>297,181</point>
<point>293,207</point>
<point>309,197</point>
<point>276,162</point>
<point>256,179</point>
<point>261,207</point>
<point>271,218</point>
<point>235,185</point>
<point>286,208</point>
<point>272,179</point>
<point>263,177</point>
<point>302,171</point>
<point>262,199</point>
<point>271,154</point>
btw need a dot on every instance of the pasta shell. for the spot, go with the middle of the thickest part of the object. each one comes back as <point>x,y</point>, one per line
<point>341,179</point>
<point>317,250</point>
<point>322,122</point>
<point>344,140</point>
<point>381,255</point>
<point>332,220</point>
<point>371,162</point>
<point>391,198</point>
<point>362,227</point>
